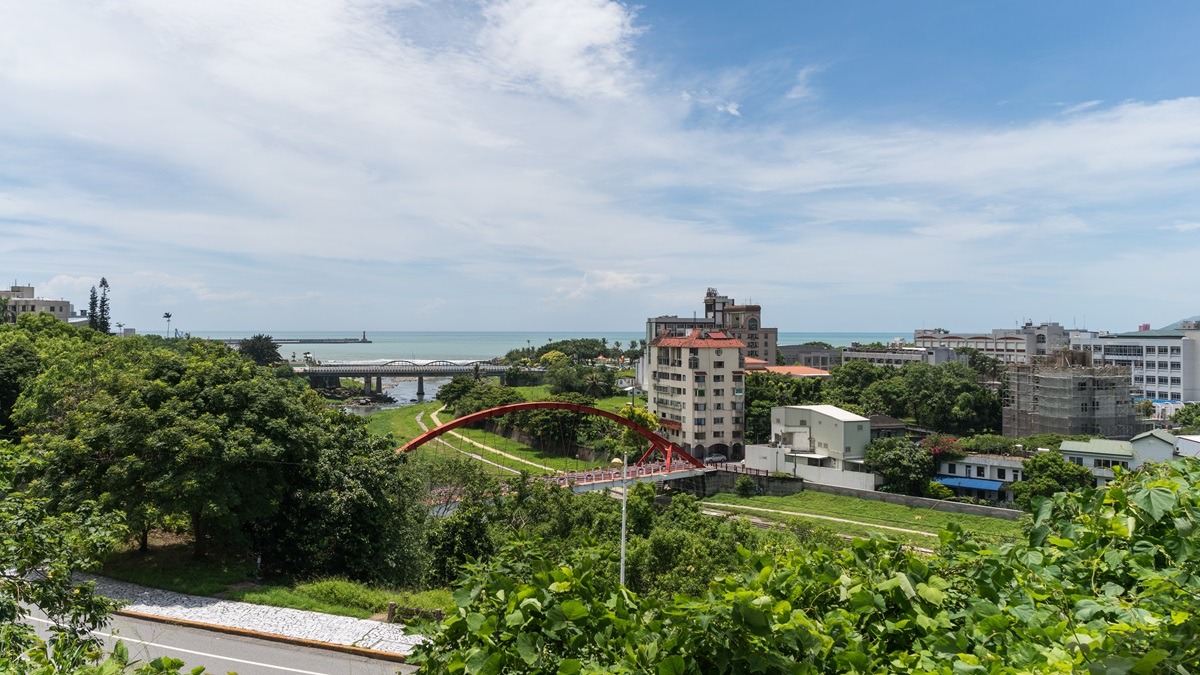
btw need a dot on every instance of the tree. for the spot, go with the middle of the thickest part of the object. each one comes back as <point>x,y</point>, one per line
<point>40,552</point>
<point>94,310</point>
<point>553,358</point>
<point>1047,473</point>
<point>104,320</point>
<point>904,466</point>
<point>886,397</point>
<point>167,316</point>
<point>847,381</point>
<point>260,349</point>
<point>1188,417</point>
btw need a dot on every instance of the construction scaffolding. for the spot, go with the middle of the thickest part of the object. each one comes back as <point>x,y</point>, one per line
<point>1064,393</point>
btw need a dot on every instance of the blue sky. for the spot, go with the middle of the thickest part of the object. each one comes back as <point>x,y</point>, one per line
<point>582,164</point>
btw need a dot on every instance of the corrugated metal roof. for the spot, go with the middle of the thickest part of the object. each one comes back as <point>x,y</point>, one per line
<point>972,483</point>
<point>1098,446</point>
<point>834,412</point>
<point>1157,433</point>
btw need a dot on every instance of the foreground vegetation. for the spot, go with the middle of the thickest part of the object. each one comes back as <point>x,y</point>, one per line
<point>1105,581</point>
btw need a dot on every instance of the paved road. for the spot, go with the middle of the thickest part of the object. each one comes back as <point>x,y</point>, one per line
<point>221,653</point>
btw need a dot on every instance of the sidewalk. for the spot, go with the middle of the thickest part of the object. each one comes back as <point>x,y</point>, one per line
<point>274,621</point>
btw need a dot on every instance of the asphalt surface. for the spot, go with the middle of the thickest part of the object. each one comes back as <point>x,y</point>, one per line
<point>222,653</point>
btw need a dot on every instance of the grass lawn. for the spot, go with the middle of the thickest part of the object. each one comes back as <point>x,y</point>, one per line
<point>929,541</point>
<point>877,513</point>
<point>401,423</point>
<point>170,566</point>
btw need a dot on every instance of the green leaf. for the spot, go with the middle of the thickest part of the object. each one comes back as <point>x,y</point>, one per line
<point>569,667</point>
<point>574,610</point>
<point>931,594</point>
<point>672,665</point>
<point>527,649</point>
<point>1155,501</point>
<point>1149,660</point>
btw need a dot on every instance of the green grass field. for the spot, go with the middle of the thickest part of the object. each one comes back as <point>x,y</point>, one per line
<point>871,512</point>
<point>924,541</point>
<point>401,423</point>
<point>345,598</point>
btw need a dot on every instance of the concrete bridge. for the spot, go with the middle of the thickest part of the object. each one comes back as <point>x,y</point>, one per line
<point>401,368</point>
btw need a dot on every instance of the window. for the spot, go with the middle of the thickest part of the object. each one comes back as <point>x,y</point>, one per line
<point>700,421</point>
<point>718,364</point>
<point>699,406</point>
<point>1076,460</point>
<point>951,468</point>
<point>718,420</point>
<point>1000,473</point>
<point>699,379</point>
<point>737,378</point>
<point>718,406</point>
<point>718,392</point>
<point>980,471</point>
<point>718,434</point>
<point>718,378</point>
<point>701,392</point>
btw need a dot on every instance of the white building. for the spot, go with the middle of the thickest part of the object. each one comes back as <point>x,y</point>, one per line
<point>1188,446</point>
<point>1164,364</point>
<point>23,300</point>
<point>898,356</point>
<point>1010,345</point>
<point>992,476</point>
<point>819,443</point>
<point>697,392</point>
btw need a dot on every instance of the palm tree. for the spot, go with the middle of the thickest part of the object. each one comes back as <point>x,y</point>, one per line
<point>167,316</point>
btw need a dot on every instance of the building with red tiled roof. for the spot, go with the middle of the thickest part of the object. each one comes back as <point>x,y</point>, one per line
<point>798,371</point>
<point>697,391</point>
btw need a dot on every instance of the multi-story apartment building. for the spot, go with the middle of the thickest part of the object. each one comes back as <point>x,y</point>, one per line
<point>721,314</point>
<point>697,392</point>
<point>819,443</point>
<point>23,300</point>
<point>898,356</point>
<point>1163,364</point>
<point>1010,345</point>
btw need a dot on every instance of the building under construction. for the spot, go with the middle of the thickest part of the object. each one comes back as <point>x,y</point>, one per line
<point>1063,393</point>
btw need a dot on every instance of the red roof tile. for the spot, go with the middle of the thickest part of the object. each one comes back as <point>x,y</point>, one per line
<point>699,339</point>
<point>797,371</point>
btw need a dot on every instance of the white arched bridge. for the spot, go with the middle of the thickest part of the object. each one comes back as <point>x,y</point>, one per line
<point>417,368</point>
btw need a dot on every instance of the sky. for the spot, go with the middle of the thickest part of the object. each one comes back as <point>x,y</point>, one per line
<point>584,164</point>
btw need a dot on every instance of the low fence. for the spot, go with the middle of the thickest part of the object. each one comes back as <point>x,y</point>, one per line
<point>397,613</point>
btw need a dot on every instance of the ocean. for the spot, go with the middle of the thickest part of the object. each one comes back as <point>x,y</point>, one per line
<point>481,345</point>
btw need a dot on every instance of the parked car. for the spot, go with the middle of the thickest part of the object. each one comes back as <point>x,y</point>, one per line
<point>716,459</point>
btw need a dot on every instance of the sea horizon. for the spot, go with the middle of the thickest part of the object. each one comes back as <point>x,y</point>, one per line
<point>485,344</point>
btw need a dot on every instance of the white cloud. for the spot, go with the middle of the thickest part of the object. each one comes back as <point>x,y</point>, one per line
<point>605,281</point>
<point>732,107</point>
<point>1080,107</point>
<point>235,160</point>
<point>803,88</point>
<point>570,48</point>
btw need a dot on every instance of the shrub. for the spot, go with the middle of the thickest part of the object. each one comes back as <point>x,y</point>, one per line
<point>935,490</point>
<point>745,486</point>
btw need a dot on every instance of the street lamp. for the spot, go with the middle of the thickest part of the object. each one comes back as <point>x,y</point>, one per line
<point>625,483</point>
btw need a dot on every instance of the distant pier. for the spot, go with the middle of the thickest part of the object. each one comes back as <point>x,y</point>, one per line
<point>233,342</point>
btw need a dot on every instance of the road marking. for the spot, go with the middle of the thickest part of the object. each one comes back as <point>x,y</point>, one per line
<point>189,651</point>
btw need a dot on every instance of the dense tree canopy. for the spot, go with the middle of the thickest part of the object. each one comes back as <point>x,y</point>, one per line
<point>261,349</point>
<point>1046,473</point>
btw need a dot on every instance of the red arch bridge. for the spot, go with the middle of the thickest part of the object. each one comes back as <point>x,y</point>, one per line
<point>663,460</point>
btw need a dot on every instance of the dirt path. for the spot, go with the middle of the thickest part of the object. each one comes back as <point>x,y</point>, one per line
<point>732,508</point>
<point>472,455</point>
<point>434,416</point>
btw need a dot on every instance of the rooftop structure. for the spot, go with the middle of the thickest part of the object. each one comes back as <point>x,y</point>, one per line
<point>721,314</point>
<point>1010,345</point>
<point>24,300</point>
<point>814,356</point>
<point>898,356</point>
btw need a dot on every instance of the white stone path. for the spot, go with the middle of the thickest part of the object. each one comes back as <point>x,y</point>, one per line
<point>283,621</point>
